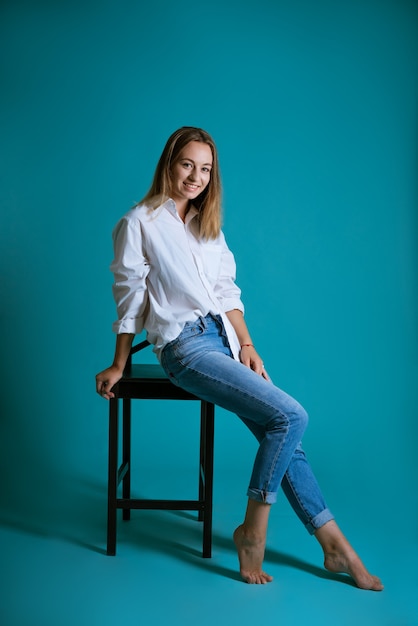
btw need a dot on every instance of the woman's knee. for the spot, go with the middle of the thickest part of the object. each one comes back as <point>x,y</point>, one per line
<point>294,418</point>
<point>301,417</point>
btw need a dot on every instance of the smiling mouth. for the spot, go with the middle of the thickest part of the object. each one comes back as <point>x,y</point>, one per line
<point>191,187</point>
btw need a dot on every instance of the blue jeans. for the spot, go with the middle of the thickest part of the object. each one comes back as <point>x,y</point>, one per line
<point>200,361</point>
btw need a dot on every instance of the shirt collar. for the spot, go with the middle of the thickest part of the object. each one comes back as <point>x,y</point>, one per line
<point>192,212</point>
<point>170,205</point>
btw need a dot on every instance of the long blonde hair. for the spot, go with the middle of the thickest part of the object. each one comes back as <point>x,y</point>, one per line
<point>208,202</point>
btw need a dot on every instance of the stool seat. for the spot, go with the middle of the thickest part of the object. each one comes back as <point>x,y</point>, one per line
<point>150,382</point>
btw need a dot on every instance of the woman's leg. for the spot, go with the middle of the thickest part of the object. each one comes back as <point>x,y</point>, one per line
<point>303,493</point>
<point>200,362</point>
<point>250,541</point>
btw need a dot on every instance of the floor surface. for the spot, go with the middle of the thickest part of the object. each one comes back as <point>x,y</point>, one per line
<point>54,571</point>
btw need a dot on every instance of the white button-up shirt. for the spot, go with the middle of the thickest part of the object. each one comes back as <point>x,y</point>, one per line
<point>166,275</point>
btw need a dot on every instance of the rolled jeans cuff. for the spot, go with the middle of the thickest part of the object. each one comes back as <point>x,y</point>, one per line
<point>318,521</point>
<point>268,497</point>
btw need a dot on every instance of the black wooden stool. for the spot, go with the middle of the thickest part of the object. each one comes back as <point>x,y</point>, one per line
<point>151,382</point>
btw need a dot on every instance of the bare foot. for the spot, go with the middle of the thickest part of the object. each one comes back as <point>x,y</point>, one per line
<point>340,557</point>
<point>250,549</point>
<point>351,564</point>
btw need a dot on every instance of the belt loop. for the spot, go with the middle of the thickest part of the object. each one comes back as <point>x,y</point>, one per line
<point>203,322</point>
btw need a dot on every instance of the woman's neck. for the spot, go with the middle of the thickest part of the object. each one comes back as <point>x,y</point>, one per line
<point>182,208</point>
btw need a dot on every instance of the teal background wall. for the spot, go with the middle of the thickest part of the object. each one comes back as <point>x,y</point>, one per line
<point>313,107</point>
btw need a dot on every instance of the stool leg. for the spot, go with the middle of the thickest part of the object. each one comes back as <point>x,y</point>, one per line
<point>208,410</point>
<point>126,453</point>
<point>112,483</point>
<point>202,463</point>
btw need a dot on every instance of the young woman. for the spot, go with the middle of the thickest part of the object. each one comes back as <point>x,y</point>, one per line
<point>175,278</point>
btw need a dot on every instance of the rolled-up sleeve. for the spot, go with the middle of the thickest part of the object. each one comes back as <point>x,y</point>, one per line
<point>226,290</point>
<point>130,269</point>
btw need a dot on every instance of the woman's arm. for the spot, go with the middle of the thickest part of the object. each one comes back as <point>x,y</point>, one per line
<point>248,355</point>
<point>106,380</point>
<point>130,269</point>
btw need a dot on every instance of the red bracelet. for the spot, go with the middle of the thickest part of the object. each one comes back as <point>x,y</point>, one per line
<point>243,345</point>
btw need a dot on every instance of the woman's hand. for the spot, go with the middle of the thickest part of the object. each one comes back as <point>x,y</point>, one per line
<point>249,357</point>
<point>106,380</point>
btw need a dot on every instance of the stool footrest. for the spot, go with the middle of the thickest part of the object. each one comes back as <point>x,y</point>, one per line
<point>163,505</point>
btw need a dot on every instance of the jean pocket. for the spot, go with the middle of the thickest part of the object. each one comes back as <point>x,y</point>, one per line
<point>190,331</point>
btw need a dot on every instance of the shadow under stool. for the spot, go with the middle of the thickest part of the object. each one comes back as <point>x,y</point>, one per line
<point>149,382</point>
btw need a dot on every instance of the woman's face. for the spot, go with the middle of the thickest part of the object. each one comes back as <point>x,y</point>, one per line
<point>190,174</point>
